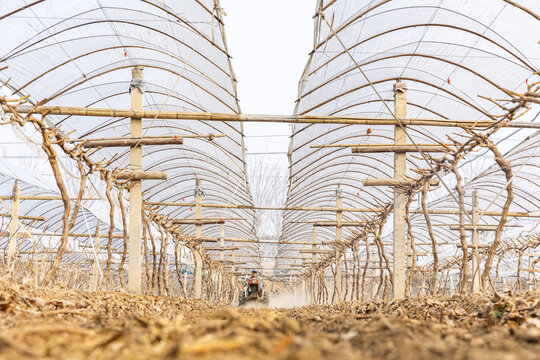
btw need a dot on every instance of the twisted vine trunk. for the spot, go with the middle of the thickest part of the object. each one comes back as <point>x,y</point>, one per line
<point>108,188</point>
<point>178,263</point>
<point>507,169</point>
<point>66,221</point>
<point>121,269</point>
<point>464,270</point>
<point>364,271</point>
<point>435,275</point>
<point>411,242</point>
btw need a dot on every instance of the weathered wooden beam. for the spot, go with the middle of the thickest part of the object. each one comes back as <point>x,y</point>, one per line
<point>293,119</point>
<point>137,175</point>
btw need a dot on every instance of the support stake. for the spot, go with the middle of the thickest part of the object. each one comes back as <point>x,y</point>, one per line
<point>400,199</point>
<point>135,191</point>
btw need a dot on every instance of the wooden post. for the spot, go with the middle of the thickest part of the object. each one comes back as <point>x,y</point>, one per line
<point>135,191</point>
<point>197,276</point>
<point>95,267</point>
<point>532,271</point>
<point>339,237</point>
<point>476,253</point>
<point>185,278</point>
<point>400,200</point>
<point>222,241</point>
<point>221,257</point>
<point>14,226</point>
<point>303,291</point>
<point>233,277</point>
<point>313,259</point>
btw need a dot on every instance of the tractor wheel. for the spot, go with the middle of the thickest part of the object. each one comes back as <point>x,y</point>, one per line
<point>266,298</point>
<point>241,298</point>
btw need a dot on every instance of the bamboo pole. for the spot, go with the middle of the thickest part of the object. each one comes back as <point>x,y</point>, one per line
<point>277,208</point>
<point>138,175</point>
<point>329,222</point>
<point>383,148</point>
<point>24,217</point>
<point>388,182</point>
<point>5,197</point>
<point>294,119</point>
<point>484,213</point>
<point>133,141</point>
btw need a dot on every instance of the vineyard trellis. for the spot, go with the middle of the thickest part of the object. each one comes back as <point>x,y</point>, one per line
<point>460,140</point>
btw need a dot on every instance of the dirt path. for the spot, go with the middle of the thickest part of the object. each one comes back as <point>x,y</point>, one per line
<point>61,324</point>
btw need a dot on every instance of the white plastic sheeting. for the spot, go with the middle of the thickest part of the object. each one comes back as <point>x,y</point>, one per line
<point>448,52</point>
<point>80,53</point>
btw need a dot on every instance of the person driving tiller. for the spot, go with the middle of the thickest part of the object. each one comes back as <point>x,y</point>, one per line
<point>253,283</point>
<point>253,290</point>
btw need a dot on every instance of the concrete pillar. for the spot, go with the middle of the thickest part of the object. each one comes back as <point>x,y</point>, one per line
<point>400,199</point>
<point>135,191</point>
<point>14,226</point>
<point>339,238</point>
<point>197,276</point>
<point>476,254</point>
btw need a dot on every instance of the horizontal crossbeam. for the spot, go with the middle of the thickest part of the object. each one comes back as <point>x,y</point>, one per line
<point>291,119</point>
<point>142,175</point>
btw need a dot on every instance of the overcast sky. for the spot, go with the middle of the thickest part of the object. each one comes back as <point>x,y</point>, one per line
<point>269,42</point>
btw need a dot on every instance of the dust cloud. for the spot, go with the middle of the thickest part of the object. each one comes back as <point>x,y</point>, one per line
<point>288,300</point>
